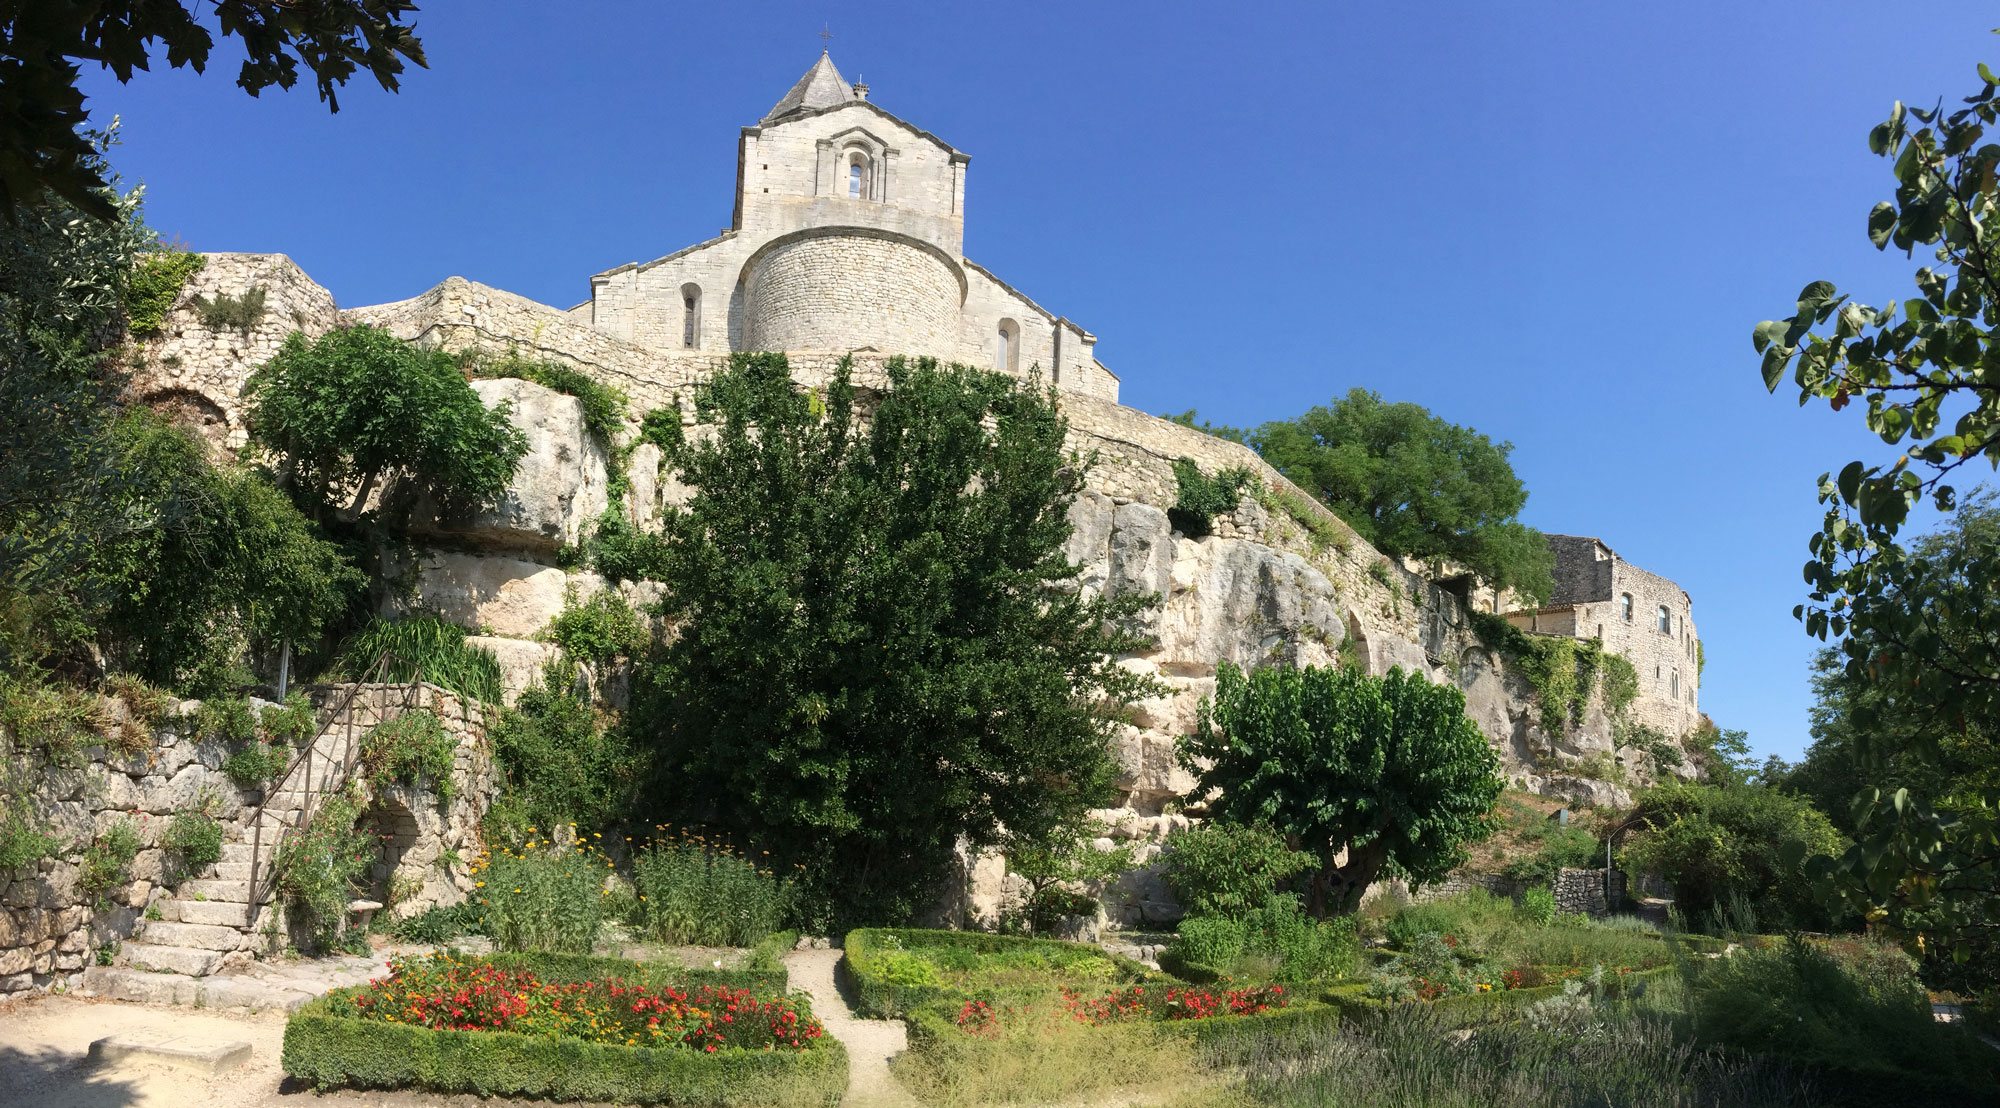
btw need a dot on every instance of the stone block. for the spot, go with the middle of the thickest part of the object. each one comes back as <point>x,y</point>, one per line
<point>521,661</point>
<point>199,936</point>
<point>493,594</point>
<point>559,488</point>
<point>170,959</point>
<point>201,1054</point>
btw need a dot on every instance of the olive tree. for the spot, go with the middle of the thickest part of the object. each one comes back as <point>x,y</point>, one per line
<point>1362,772</point>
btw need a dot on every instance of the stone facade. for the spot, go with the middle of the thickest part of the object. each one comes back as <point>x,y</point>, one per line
<point>1640,615</point>
<point>197,373</point>
<point>167,919</point>
<point>847,234</point>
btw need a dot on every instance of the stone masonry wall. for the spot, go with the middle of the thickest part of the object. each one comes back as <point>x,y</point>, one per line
<point>198,373</point>
<point>51,930</point>
<point>835,290</point>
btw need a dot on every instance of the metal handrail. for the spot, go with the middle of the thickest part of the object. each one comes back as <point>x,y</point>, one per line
<point>340,714</point>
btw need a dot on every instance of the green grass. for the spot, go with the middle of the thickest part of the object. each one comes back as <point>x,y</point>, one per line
<point>896,970</point>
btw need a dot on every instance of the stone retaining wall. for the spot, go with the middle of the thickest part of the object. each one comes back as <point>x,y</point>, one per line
<point>51,930</point>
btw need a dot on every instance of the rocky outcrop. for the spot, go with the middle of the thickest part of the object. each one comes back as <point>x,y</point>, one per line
<point>558,490</point>
<point>1279,581</point>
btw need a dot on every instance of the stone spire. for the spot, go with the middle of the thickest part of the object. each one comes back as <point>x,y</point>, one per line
<point>821,87</point>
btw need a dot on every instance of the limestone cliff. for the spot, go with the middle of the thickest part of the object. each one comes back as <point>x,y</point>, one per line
<point>1280,580</point>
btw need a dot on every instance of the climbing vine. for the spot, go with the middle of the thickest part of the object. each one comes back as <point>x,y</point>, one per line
<point>155,284</point>
<point>1564,672</point>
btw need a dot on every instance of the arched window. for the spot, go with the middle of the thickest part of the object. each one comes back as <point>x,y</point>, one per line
<point>1674,687</point>
<point>860,176</point>
<point>690,315</point>
<point>1007,349</point>
<point>1625,606</point>
<point>1666,619</point>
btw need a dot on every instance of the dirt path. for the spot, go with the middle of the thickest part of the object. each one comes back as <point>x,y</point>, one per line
<point>44,1042</point>
<point>870,1043</point>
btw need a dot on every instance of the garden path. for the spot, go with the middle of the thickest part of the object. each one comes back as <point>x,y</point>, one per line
<point>870,1043</point>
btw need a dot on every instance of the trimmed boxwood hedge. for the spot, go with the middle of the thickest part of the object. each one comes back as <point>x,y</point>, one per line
<point>878,997</point>
<point>328,1050</point>
<point>568,968</point>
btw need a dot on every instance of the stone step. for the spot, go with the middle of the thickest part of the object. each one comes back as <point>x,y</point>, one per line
<point>234,871</point>
<point>229,991</point>
<point>215,889</point>
<point>162,958</point>
<point>200,936</point>
<point>226,913</point>
<point>237,852</point>
<point>204,1055</point>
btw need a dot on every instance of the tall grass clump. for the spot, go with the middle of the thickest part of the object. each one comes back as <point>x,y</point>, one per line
<point>542,897</point>
<point>423,648</point>
<point>1045,1056</point>
<point>1410,1058</point>
<point>705,894</point>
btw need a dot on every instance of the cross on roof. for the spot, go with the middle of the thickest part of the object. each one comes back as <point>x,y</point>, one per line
<point>825,35</point>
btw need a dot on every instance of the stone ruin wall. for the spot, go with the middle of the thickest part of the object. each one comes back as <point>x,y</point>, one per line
<point>51,931</point>
<point>1258,589</point>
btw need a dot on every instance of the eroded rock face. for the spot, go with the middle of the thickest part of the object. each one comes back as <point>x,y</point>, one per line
<point>494,594</point>
<point>521,662</point>
<point>559,488</point>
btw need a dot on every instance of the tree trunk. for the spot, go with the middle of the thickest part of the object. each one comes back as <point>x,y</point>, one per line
<point>1336,889</point>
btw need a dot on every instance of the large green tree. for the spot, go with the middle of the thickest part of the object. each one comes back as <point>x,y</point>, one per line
<point>1365,773</point>
<point>44,154</point>
<point>1409,482</point>
<point>62,285</point>
<point>1923,376</point>
<point>881,646</point>
<point>359,406</point>
<point>1413,483</point>
<point>216,561</point>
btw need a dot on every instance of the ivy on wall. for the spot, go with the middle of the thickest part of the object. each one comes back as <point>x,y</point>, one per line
<point>1564,672</point>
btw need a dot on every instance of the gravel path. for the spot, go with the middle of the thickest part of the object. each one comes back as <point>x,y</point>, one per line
<point>870,1043</point>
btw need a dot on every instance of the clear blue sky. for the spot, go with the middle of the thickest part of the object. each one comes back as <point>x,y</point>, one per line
<point>1554,222</point>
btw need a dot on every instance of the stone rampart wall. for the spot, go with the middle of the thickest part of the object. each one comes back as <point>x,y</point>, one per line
<point>51,928</point>
<point>197,372</point>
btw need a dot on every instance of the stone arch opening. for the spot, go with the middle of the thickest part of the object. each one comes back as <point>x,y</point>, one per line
<point>1007,355</point>
<point>860,180</point>
<point>1356,646</point>
<point>690,315</point>
<point>395,830</point>
<point>190,409</point>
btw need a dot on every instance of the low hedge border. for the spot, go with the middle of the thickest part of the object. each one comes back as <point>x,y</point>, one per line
<point>331,1051</point>
<point>876,997</point>
<point>1226,1035</point>
<point>566,968</point>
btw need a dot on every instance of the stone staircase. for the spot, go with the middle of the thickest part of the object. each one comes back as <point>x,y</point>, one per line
<point>221,915</point>
<point>206,919</point>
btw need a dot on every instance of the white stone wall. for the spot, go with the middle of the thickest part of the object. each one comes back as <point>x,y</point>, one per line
<point>198,374</point>
<point>833,291</point>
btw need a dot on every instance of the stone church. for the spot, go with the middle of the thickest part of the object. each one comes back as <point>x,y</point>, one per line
<point>847,235</point>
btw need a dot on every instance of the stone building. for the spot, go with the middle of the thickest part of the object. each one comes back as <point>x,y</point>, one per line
<point>1641,615</point>
<point>847,235</point>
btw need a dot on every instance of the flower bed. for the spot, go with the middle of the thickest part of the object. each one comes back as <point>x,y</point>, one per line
<point>895,971</point>
<point>491,1027</point>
